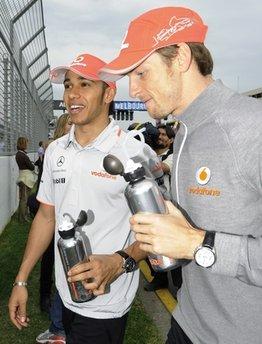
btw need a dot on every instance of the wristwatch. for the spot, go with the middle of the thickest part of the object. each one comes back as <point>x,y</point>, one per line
<point>129,264</point>
<point>205,254</point>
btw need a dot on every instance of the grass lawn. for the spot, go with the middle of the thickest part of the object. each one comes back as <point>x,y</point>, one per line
<point>141,329</point>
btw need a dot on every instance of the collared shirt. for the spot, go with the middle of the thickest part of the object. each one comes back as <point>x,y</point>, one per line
<point>74,179</point>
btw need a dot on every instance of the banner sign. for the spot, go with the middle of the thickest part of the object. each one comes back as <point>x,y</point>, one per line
<point>58,105</point>
<point>118,105</point>
<point>129,105</point>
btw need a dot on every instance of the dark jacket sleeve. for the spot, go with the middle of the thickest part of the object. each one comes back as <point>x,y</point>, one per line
<point>24,162</point>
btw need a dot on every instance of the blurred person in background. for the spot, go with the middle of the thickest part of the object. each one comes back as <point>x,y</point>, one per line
<point>41,150</point>
<point>63,125</point>
<point>55,332</point>
<point>149,131</point>
<point>26,179</point>
<point>164,150</point>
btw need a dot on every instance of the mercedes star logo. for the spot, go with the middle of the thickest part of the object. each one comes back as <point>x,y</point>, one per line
<point>60,161</point>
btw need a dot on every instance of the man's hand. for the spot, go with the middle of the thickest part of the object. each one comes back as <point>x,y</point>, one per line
<point>98,272</point>
<point>17,307</point>
<point>167,234</point>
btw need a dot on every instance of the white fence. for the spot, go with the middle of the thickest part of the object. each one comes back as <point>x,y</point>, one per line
<point>8,188</point>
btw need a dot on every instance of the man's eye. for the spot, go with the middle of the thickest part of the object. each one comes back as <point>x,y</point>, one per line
<point>85,84</point>
<point>141,74</point>
<point>66,86</point>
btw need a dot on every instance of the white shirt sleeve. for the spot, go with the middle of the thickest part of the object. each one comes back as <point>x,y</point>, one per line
<point>46,187</point>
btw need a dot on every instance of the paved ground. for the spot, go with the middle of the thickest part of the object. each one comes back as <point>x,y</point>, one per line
<point>155,308</point>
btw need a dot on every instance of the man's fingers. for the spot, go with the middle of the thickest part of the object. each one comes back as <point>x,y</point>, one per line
<point>79,268</point>
<point>100,290</point>
<point>17,307</point>
<point>142,218</point>
<point>22,320</point>
<point>85,275</point>
<point>87,281</point>
<point>91,285</point>
<point>22,311</point>
<point>172,210</point>
<point>21,314</point>
<point>143,238</point>
<point>14,320</point>
<point>18,318</point>
<point>146,229</point>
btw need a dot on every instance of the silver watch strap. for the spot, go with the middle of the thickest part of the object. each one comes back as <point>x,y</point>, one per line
<point>20,284</point>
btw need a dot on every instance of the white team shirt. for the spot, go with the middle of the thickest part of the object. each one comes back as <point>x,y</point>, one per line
<point>73,180</point>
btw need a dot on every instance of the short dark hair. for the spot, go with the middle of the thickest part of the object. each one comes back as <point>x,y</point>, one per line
<point>168,129</point>
<point>200,54</point>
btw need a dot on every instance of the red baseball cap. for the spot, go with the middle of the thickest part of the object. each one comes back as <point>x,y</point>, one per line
<point>150,31</point>
<point>85,65</point>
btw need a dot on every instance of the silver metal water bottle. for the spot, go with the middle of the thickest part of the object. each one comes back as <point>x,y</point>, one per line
<point>143,195</point>
<point>72,251</point>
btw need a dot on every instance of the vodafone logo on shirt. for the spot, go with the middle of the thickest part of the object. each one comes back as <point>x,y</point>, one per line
<point>203,175</point>
<point>102,174</point>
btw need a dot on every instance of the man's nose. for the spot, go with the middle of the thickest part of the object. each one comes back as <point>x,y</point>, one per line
<point>74,93</point>
<point>133,88</point>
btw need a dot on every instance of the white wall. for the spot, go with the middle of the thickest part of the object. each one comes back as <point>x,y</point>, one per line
<point>8,188</point>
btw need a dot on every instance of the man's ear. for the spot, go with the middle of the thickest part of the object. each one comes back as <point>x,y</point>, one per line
<point>184,57</point>
<point>109,94</point>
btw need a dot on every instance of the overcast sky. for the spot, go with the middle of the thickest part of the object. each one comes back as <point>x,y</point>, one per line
<point>97,26</point>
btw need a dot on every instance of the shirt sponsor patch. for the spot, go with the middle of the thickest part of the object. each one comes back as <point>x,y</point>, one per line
<point>203,175</point>
<point>203,191</point>
<point>102,175</point>
<point>59,180</point>
<point>60,161</point>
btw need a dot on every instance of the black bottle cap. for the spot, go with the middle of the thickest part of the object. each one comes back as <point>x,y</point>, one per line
<point>135,175</point>
<point>70,233</point>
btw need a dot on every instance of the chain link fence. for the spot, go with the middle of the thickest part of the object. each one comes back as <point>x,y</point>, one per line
<point>26,95</point>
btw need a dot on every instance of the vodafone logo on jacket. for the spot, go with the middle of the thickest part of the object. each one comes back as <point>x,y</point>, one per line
<point>203,175</point>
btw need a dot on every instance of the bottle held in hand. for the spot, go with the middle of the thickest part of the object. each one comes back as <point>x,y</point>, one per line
<point>72,251</point>
<point>143,196</point>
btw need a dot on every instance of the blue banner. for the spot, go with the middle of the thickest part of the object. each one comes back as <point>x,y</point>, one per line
<point>129,105</point>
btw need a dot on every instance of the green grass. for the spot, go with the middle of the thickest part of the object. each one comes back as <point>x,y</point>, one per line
<point>140,327</point>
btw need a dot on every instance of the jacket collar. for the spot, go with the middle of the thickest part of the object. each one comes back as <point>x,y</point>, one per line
<point>205,105</point>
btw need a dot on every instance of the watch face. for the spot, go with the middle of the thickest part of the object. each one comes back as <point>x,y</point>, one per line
<point>130,264</point>
<point>205,257</point>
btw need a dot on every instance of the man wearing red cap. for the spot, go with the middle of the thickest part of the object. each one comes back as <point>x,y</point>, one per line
<point>74,179</point>
<point>216,180</point>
